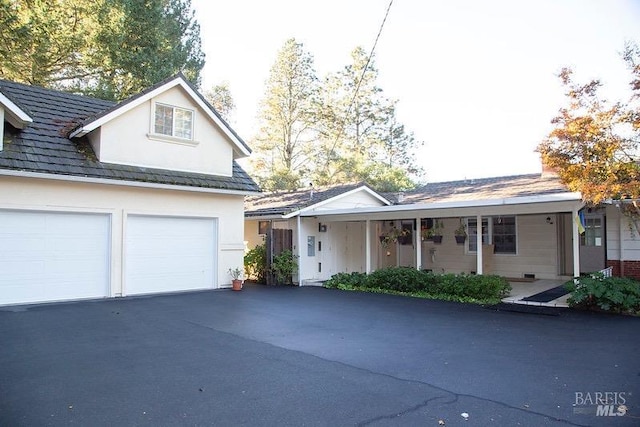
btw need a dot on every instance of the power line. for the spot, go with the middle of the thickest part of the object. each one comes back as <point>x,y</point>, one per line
<point>364,70</point>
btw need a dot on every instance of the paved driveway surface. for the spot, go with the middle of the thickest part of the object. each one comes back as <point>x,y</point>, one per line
<point>312,357</point>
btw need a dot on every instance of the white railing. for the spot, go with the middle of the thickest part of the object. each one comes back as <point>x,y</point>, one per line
<point>607,272</point>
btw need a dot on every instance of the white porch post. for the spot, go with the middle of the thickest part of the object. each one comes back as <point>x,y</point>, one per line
<point>367,246</point>
<point>479,244</point>
<point>418,245</point>
<point>576,243</point>
<point>621,243</point>
<point>299,226</point>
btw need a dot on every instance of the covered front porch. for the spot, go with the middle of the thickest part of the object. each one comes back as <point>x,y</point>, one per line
<point>519,238</point>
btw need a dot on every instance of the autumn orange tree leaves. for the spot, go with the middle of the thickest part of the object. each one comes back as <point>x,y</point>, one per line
<point>594,144</point>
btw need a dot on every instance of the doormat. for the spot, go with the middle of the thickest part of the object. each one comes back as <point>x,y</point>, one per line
<point>524,308</point>
<point>548,295</point>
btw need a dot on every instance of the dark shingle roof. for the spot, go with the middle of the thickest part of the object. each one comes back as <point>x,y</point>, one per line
<point>283,203</point>
<point>484,188</point>
<point>44,147</point>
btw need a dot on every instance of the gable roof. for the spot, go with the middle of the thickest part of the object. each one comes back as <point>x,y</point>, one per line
<point>91,123</point>
<point>44,148</point>
<point>290,203</point>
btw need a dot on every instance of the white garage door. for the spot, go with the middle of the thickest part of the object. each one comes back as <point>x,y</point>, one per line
<point>169,254</point>
<point>46,256</point>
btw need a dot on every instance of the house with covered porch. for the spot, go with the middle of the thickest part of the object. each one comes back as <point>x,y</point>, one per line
<point>519,227</point>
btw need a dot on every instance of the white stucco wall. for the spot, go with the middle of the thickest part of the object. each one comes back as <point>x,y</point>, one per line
<point>119,201</point>
<point>126,140</point>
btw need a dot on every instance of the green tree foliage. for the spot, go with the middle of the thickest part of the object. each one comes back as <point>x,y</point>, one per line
<point>141,43</point>
<point>43,42</point>
<point>220,97</point>
<point>361,139</point>
<point>107,48</point>
<point>344,130</point>
<point>594,145</point>
<point>281,147</point>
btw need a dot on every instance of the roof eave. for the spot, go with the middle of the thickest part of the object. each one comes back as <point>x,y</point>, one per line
<point>480,203</point>
<point>121,182</point>
<point>14,114</point>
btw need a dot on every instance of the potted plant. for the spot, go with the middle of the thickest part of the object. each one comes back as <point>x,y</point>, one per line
<point>236,281</point>
<point>435,232</point>
<point>461,232</point>
<point>393,235</point>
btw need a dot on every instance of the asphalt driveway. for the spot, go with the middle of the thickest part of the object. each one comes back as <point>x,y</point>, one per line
<point>313,357</point>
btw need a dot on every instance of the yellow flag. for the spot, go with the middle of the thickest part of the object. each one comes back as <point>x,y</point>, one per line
<point>579,223</point>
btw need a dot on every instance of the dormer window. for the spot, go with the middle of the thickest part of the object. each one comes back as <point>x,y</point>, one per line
<point>173,121</point>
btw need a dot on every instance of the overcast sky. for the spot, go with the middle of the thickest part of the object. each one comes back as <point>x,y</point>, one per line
<point>476,80</point>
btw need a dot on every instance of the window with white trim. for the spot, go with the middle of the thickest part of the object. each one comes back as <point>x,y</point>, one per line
<point>173,121</point>
<point>500,231</point>
<point>472,230</point>
<point>504,234</point>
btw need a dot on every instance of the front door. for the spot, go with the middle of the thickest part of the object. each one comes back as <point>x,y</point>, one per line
<point>592,243</point>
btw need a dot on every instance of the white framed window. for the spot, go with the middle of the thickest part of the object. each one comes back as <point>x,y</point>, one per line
<point>501,231</point>
<point>592,235</point>
<point>472,230</point>
<point>173,121</point>
<point>504,234</point>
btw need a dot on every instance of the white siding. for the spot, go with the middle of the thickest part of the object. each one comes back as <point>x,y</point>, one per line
<point>357,199</point>
<point>628,243</point>
<point>536,251</point>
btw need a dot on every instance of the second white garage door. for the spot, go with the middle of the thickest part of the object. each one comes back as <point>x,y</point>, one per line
<point>169,254</point>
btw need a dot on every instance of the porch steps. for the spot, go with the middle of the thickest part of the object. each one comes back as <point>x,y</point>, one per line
<point>312,282</point>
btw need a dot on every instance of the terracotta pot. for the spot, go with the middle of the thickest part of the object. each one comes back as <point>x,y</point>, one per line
<point>236,284</point>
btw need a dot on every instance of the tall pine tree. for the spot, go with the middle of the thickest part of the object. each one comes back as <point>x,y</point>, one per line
<point>360,138</point>
<point>282,147</point>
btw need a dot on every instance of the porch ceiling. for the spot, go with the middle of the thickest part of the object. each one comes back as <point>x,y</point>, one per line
<point>553,203</point>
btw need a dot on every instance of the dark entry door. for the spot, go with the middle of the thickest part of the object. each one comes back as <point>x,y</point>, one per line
<point>592,243</point>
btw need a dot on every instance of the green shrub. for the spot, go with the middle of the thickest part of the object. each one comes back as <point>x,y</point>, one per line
<point>614,294</point>
<point>255,263</point>
<point>404,280</point>
<point>283,266</point>
<point>346,280</point>
<point>401,279</point>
